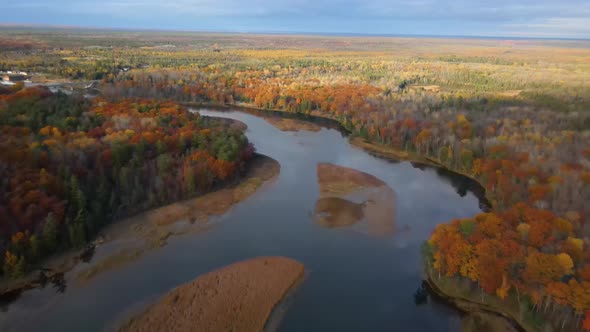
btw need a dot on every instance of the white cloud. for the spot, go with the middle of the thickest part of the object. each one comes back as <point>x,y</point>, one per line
<point>552,27</point>
<point>548,18</point>
<point>177,7</point>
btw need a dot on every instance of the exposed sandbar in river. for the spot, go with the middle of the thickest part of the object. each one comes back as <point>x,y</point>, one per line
<point>237,297</point>
<point>349,196</point>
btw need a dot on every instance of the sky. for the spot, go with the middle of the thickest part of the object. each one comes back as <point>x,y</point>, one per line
<point>506,18</point>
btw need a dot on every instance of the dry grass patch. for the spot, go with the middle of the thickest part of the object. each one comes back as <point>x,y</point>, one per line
<point>238,297</point>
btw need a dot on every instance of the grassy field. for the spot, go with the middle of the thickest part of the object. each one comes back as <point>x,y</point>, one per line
<point>543,72</point>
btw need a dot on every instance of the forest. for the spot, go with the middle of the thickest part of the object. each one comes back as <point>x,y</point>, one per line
<point>512,114</point>
<point>70,165</point>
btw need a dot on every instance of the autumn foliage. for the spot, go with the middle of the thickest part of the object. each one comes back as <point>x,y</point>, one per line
<point>532,159</point>
<point>68,166</point>
<point>511,114</point>
<point>522,250</point>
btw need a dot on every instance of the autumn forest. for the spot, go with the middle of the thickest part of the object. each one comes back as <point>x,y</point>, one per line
<point>512,114</point>
<point>70,165</point>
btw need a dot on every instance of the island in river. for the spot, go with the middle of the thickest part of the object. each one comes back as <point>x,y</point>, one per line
<point>287,124</point>
<point>348,196</point>
<point>238,297</point>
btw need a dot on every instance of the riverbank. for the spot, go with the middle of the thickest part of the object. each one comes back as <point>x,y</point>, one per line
<point>314,118</point>
<point>128,239</point>
<point>237,297</point>
<point>496,312</point>
<point>385,152</point>
<point>389,153</point>
<point>376,149</point>
<point>134,237</point>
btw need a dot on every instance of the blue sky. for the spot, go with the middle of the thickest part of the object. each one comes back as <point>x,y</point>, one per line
<point>511,18</point>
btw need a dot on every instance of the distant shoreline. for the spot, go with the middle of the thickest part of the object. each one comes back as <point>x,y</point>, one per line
<point>30,26</point>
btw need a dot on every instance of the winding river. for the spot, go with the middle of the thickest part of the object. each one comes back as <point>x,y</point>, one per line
<point>356,281</point>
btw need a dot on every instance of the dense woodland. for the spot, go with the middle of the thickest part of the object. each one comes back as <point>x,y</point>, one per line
<point>69,166</point>
<point>514,115</point>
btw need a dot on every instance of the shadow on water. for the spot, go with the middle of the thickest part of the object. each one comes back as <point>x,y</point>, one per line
<point>337,212</point>
<point>43,278</point>
<point>461,183</point>
<point>322,121</point>
<point>421,294</point>
<point>57,281</point>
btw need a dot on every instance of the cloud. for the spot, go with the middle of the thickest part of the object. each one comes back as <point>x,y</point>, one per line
<point>500,10</point>
<point>537,17</point>
<point>553,27</point>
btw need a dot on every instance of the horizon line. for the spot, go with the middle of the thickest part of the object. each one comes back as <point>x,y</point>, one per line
<point>276,32</point>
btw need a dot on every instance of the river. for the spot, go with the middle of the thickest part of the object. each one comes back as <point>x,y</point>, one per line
<point>356,281</point>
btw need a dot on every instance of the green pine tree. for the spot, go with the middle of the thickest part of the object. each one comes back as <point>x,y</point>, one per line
<point>49,233</point>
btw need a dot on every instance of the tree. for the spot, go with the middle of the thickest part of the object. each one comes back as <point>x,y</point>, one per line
<point>566,262</point>
<point>35,246</point>
<point>20,268</point>
<point>49,233</point>
<point>586,322</point>
<point>543,268</point>
<point>77,234</point>
<point>10,262</point>
<point>110,159</point>
<point>490,260</point>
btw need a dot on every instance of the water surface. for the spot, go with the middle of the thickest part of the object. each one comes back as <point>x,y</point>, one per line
<point>356,281</point>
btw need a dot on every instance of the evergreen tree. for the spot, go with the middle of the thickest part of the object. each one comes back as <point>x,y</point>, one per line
<point>35,247</point>
<point>20,268</point>
<point>77,234</point>
<point>49,234</point>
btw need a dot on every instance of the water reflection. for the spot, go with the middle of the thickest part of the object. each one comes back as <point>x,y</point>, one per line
<point>356,283</point>
<point>337,212</point>
<point>56,280</point>
<point>461,183</point>
<point>46,277</point>
<point>348,196</point>
<point>421,294</point>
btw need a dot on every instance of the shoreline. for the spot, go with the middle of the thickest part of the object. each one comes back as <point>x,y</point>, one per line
<point>244,296</point>
<point>388,153</point>
<point>133,237</point>
<point>471,307</point>
<point>392,154</point>
<point>376,149</point>
<point>53,269</point>
<point>314,118</point>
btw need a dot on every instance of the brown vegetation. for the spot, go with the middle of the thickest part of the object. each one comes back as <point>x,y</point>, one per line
<point>238,297</point>
<point>348,196</point>
<point>292,124</point>
<point>151,230</point>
